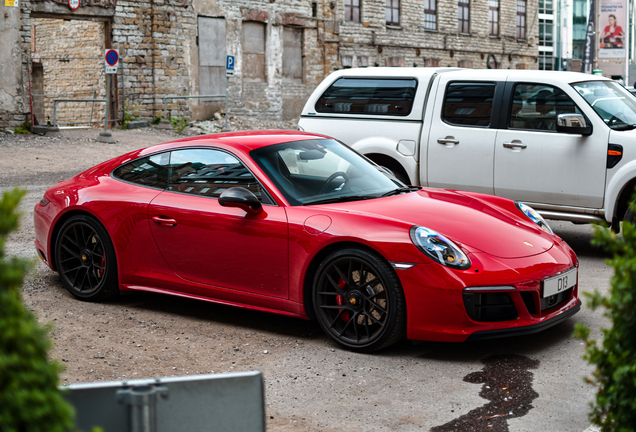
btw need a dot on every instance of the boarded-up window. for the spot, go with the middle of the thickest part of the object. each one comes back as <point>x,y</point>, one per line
<point>212,55</point>
<point>253,51</point>
<point>395,61</point>
<point>292,55</point>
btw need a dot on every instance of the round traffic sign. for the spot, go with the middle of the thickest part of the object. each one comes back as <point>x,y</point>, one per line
<point>73,4</point>
<point>112,57</point>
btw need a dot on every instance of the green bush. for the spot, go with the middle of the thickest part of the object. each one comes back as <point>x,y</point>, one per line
<point>29,396</point>
<point>179,123</point>
<point>615,374</point>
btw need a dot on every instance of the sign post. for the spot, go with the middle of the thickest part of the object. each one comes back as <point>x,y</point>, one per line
<point>229,72</point>
<point>111,59</point>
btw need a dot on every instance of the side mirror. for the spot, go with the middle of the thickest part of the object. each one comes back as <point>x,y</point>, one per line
<point>573,124</point>
<point>241,198</point>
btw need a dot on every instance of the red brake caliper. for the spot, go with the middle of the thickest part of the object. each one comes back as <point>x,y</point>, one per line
<point>340,300</point>
<point>100,272</point>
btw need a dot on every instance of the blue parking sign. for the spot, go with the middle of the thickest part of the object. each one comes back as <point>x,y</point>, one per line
<point>229,66</point>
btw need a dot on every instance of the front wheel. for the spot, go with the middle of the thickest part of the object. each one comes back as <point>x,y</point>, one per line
<point>358,300</point>
<point>85,259</point>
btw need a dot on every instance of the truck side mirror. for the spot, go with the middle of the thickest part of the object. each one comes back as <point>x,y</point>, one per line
<point>573,124</point>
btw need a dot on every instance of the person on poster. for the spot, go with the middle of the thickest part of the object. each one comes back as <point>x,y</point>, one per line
<point>612,35</point>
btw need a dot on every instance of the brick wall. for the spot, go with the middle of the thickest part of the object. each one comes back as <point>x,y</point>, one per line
<point>158,45</point>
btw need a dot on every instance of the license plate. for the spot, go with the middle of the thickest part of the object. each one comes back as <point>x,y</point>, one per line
<point>559,283</point>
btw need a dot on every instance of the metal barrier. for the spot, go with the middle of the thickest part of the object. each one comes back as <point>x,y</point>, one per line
<point>55,101</point>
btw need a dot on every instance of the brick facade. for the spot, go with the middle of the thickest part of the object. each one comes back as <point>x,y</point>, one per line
<point>158,44</point>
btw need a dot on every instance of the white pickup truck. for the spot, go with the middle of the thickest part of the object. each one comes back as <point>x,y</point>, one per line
<point>562,142</point>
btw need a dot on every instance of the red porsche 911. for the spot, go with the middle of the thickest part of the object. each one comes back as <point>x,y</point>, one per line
<point>302,225</point>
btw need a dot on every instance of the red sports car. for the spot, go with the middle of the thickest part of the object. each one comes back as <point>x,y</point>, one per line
<point>302,225</point>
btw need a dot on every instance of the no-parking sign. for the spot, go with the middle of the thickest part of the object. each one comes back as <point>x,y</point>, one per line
<point>73,4</point>
<point>111,59</point>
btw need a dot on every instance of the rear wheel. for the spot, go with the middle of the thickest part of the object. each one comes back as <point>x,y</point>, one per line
<point>85,259</point>
<point>358,300</point>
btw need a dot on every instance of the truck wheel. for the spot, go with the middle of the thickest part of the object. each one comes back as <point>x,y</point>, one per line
<point>630,215</point>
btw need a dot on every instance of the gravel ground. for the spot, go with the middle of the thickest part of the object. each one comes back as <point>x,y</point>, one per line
<point>311,384</point>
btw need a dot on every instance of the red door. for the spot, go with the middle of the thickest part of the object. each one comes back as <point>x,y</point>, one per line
<point>209,244</point>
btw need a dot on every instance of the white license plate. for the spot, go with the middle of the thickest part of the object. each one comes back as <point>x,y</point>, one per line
<point>559,283</point>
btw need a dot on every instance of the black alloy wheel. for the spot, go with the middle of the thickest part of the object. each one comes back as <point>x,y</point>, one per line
<point>85,259</point>
<point>358,300</point>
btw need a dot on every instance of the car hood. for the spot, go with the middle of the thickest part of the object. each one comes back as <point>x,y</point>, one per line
<point>465,220</point>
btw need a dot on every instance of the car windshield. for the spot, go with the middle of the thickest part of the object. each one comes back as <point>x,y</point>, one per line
<point>613,102</point>
<point>323,171</point>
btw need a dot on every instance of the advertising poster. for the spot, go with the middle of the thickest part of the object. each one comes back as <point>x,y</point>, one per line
<point>11,3</point>
<point>611,28</point>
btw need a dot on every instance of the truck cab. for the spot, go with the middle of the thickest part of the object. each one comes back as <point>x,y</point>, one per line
<point>558,141</point>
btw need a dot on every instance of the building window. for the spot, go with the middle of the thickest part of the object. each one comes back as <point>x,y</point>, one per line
<point>468,64</point>
<point>347,61</point>
<point>430,14</point>
<point>431,62</point>
<point>292,55</point>
<point>253,51</point>
<point>393,12</point>
<point>352,10</point>
<point>363,61</point>
<point>493,17</point>
<point>395,61</point>
<point>463,16</point>
<point>521,19</point>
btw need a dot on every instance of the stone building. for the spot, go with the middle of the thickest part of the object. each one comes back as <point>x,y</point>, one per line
<point>282,49</point>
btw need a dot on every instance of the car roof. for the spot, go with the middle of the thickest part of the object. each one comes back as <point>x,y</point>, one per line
<point>248,140</point>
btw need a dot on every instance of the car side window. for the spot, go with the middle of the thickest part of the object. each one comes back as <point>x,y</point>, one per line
<point>373,96</point>
<point>208,172</point>
<point>151,171</point>
<point>468,103</point>
<point>536,106</point>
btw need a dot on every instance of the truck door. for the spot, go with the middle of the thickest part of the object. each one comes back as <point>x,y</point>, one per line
<point>536,164</point>
<point>461,138</point>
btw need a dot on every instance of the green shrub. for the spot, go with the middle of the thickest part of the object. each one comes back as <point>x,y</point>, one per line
<point>615,359</point>
<point>23,129</point>
<point>29,396</point>
<point>178,123</point>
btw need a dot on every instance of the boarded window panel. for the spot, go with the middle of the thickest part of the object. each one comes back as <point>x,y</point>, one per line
<point>253,51</point>
<point>292,55</point>
<point>212,55</point>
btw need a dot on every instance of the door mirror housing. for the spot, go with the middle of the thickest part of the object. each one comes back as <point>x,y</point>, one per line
<point>241,198</point>
<point>573,124</point>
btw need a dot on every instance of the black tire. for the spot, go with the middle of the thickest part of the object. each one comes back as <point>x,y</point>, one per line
<point>358,300</point>
<point>85,259</point>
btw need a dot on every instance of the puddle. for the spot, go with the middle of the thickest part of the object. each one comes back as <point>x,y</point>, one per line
<point>507,383</point>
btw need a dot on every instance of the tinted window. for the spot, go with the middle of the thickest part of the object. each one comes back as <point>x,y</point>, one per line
<point>469,103</point>
<point>536,106</point>
<point>150,171</point>
<point>208,173</point>
<point>369,96</point>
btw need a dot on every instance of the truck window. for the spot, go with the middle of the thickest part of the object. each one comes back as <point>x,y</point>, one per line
<point>536,106</point>
<point>374,96</point>
<point>468,104</point>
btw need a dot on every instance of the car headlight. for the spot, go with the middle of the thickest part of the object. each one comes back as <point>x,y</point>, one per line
<point>534,216</point>
<point>439,248</point>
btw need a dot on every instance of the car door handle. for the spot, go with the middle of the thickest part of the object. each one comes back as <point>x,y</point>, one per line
<point>447,140</point>
<point>165,221</point>
<point>512,145</point>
